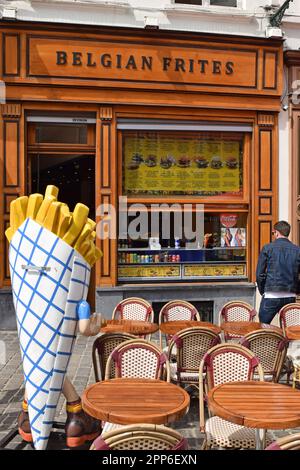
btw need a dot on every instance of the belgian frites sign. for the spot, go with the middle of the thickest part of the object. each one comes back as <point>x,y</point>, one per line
<point>117,61</point>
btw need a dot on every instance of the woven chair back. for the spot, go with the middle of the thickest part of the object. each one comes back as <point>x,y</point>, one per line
<point>141,437</point>
<point>138,358</point>
<point>270,347</point>
<point>178,310</point>
<point>133,308</point>
<point>102,348</point>
<point>289,315</point>
<point>190,345</point>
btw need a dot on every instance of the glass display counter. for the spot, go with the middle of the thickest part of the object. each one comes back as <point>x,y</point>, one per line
<point>181,264</point>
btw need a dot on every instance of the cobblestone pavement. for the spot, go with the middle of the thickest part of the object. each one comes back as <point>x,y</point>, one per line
<point>81,372</point>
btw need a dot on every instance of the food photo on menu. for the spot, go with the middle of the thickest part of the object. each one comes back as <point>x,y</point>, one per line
<point>233,237</point>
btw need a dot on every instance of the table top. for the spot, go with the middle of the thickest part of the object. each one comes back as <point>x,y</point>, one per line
<point>293,332</point>
<point>254,404</point>
<point>242,328</point>
<point>130,401</point>
<point>135,327</point>
<point>172,327</point>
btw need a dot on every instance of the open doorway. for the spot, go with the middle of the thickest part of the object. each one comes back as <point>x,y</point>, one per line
<point>63,154</point>
<point>72,174</point>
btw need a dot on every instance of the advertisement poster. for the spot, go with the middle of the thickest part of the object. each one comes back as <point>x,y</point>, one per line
<point>233,237</point>
<point>167,163</point>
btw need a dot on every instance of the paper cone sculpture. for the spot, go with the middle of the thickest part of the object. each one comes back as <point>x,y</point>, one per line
<point>50,257</point>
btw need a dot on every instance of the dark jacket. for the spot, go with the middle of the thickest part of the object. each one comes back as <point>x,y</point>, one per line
<point>278,267</point>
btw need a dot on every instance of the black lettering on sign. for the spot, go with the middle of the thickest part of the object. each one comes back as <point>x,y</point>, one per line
<point>106,60</point>
<point>229,68</point>
<point>61,58</point>
<point>77,58</point>
<point>90,62</point>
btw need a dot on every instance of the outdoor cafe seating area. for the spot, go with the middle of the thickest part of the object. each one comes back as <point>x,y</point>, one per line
<point>240,370</point>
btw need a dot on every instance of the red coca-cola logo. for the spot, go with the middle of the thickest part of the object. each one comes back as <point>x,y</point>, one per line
<point>228,220</point>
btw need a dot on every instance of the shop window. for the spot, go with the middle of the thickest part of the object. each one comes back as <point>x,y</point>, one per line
<point>168,249</point>
<point>170,163</point>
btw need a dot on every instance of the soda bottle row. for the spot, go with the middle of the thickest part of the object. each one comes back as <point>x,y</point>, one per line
<point>136,258</point>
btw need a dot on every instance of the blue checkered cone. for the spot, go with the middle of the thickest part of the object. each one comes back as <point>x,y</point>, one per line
<point>48,279</point>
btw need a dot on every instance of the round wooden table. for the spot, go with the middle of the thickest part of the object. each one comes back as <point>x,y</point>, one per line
<point>172,327</point>
<point>130,401</point>
<point>241,328</point>
<point>293,332</point>
<point>135,327</point>
<point>259,405</point>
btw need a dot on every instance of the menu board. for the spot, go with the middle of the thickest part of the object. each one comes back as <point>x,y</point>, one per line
<point>167,163</point>
<point>153,272</point>
<point>214,270</point>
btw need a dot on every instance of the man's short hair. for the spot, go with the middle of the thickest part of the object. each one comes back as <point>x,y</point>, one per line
<point>283,228</point>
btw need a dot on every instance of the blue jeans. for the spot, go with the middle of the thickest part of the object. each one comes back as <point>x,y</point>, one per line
<point>269,307</point>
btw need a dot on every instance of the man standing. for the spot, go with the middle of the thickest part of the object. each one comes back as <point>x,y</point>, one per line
<point>277,273</point>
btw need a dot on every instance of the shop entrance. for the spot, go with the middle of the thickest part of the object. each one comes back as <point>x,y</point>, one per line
<point>63,154</point>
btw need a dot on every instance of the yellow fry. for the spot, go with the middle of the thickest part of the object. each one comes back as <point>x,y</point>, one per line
<point>78,221</point>
<point>18,208</point>
<point>64,220</point>
<point>34,203</point>
<point>44,209</point>
<point>14,216</point>
<point>9,233</point>
<point>51,190</point>
<point>85,233</point>
<point>98,253</point>
<point>92,223</point>
<point>93,256</point>
<point>51,219</point>
<point>84,247</point>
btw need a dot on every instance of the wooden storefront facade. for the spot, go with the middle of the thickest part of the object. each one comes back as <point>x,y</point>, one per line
<point>108,76</point>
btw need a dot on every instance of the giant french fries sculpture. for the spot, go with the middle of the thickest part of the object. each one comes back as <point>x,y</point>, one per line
<point>50,256</point>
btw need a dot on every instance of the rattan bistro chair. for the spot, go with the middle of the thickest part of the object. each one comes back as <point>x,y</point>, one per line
<point>176,310</point>
<point>289,442</point>
<point>141,437</point>
<point>236,310</point>
<point>134,308</point>
<point>138,358</point>
<point>190,345</point>
<point>289,315</point>
<point>221,364</point>
<point>270,347</point>
<point>102,348</point>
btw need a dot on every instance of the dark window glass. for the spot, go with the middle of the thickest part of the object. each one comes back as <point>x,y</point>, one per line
<point>190,2</point>
<point>224,3</point>
<point>61,133</point>
<point>74,175</point>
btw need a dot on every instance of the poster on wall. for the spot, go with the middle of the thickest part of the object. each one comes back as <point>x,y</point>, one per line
<point>177,164</point>
<point>233,237</point>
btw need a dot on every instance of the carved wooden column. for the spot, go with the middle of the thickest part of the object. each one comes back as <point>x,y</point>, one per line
<point>12,178</point>
<point>106,188</point>
<point>264,171</point>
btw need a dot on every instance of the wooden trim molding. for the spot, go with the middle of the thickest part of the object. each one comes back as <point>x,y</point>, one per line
<point>10,110</point>
<point>265,120</point>
<point>264,167</point>
<point>11,60</point>
<point>265,205</point>
<point>106,114</point>
<point>106,272</point>
<point>292,58</point>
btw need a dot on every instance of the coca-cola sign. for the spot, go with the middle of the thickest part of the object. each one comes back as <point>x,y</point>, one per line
<point>228,220</point>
